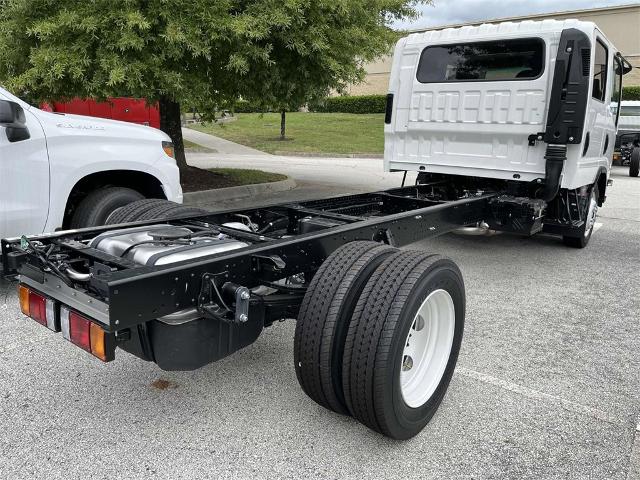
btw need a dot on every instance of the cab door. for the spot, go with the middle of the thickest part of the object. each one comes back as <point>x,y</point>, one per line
<point>24,178</point>
<point>601,119</point>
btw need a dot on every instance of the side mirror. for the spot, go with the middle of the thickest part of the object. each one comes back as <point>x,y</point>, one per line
<point>12,117</point>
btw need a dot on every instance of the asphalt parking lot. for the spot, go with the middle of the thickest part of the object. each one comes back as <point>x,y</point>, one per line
<point>547,385</point>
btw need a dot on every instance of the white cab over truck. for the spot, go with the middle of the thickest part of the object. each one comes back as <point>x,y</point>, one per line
<point>522,105</point>
<point>507,124</point>
<point>73,171</point>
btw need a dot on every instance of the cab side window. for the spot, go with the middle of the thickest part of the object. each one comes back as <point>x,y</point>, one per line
<point>600,72</point>
<point>616,92</point>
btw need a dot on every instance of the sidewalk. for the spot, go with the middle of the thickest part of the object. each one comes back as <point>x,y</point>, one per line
<point>336,175</point>
<point>221,145</point>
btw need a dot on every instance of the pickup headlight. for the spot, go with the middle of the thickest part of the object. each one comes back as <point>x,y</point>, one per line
<point>168,149</point>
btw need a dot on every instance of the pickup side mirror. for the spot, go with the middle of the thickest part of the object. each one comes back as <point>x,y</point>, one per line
<point>13,119</point>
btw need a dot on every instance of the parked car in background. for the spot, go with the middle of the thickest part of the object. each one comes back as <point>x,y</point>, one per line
<point>134,110</point>
<point>628,137</point>
<point>70,171</point>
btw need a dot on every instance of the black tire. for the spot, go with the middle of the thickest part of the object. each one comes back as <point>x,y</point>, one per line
<point>324,319</point>
<point>169,210</point>
<point>130,213</point>
<point>95,208</point>
<point>634,163</point>
<point>374,347</point>
<point>580,238</point>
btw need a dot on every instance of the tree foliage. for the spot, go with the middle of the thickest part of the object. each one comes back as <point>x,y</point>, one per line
<point>203,54</point>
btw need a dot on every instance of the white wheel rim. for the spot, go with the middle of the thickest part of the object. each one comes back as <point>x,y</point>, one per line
<point>427,348</point>
<point>591,215</point>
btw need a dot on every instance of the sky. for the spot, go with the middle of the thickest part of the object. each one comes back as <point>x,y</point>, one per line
<point>447,12</point>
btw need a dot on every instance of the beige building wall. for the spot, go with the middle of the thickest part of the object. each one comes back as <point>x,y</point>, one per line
<point>620,24</point>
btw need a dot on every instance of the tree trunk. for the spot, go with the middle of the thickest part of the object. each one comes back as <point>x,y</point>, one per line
<point>171,124</point>
<point>283,124</point>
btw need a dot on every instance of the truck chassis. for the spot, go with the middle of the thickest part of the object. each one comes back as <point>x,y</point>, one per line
<point>121,294</point>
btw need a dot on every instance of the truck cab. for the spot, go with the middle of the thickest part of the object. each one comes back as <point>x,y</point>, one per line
<point>521,105</point>
<point>72,171</point>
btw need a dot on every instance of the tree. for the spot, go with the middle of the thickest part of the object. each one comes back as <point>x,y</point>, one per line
<point>167,51</point>
<point>202,53</point>
<point>298,52</point>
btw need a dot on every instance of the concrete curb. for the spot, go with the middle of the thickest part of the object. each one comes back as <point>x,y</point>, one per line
<point>236,193</point>
<point>329,155</point>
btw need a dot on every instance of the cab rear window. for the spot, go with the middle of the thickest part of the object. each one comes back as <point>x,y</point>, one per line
<point>521,59</point>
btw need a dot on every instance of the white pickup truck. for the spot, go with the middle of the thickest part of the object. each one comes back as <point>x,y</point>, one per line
<point>72,171</point>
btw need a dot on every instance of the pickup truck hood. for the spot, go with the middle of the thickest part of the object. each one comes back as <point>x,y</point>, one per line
<point>81,125</point>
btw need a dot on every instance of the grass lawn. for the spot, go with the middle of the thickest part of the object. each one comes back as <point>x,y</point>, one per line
<point>326,133</point>
<point>195,148</point>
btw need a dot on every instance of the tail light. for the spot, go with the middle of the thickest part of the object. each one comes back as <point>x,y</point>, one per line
<point>38,307</point>
<point>87,335</point>
<point>76,328</point>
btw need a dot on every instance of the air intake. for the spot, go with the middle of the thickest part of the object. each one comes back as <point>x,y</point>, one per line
<point>586,60</point>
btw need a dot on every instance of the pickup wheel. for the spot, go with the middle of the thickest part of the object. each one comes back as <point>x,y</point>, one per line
<point>324,319</point>
<point>403,343</point>
<point>96,208</point>
<point>583,236</point>
<point>129,213</point>
<point>634,165</point>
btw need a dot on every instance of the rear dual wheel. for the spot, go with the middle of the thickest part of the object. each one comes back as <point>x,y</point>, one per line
<point>401,344</point>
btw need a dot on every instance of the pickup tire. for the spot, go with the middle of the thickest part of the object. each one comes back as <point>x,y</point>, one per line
<point>634,163</point>
<point>324,319</point>
<point>403,343</point>
<point>129,213</point>
<point>96,208</point>
<point>152,209</point>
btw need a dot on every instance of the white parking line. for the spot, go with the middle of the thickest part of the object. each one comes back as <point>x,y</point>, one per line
<point>537,395</point>
<point>597,226</point>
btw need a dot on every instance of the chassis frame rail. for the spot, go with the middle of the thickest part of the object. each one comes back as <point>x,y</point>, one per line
<point>124,294</point>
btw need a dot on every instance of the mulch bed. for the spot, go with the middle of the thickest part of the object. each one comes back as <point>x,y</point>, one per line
<point>195,179</point>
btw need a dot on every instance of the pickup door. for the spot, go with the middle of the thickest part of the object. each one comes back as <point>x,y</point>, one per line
<point>24,179</point>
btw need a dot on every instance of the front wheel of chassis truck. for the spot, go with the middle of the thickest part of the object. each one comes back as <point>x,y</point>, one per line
<point>583,235</point>
<point>403,342</point>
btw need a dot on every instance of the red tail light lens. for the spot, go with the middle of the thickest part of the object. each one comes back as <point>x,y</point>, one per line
<point>79,331</point>
<point>38,308</point>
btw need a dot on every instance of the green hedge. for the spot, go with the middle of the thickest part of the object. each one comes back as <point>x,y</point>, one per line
<point>242,106</point>
<point>373,103</point>
<point>351,104</point>
<point>631,92</point>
